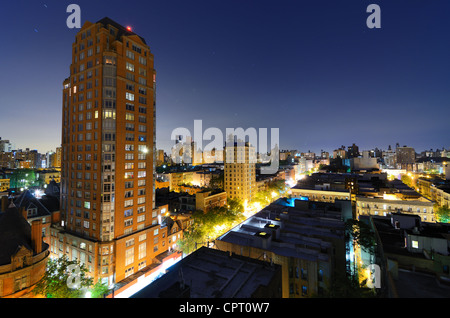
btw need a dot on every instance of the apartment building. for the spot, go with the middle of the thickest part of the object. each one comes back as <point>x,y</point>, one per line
<point>239,172</point>
<point>306,239</point>
<point>108,153</point>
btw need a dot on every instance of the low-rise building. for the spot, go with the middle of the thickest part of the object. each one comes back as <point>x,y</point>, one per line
<point>176,179</point>
<point>206,200</point>
<point>435,189</point>
<point>417,255</point>
<point>23,253</point>
<point>385,207</point>
<point>306,239</point>
<point>176,223</point>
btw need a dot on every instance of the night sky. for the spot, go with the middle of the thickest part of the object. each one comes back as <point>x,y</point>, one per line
<point>313,69</point>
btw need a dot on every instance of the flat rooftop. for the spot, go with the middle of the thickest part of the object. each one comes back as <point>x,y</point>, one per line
<point>210,273</point>
<point>305,231</point>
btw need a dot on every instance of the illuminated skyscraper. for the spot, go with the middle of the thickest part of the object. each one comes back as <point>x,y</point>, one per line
<point>108,146</point>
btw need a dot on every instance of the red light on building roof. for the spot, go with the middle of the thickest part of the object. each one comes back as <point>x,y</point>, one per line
<point>129,28</point>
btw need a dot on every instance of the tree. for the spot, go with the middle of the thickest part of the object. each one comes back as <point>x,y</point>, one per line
<point>67,279</point>
<point>99,289</point>
<point>362,234</point>
<point>217,181</point>
<point>207,226</point>
<point>407,180</point>
<point>442,214</point>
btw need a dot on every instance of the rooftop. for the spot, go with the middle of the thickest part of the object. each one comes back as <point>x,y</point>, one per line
<point>210,273</point>
<point>122,30</point>
<point>304,231</point>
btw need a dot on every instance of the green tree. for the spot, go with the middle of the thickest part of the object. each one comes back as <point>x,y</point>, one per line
<point>442,214</point>
<point>217,181</point>
<point>67,279</point>
<point>98,290</point>
<point>361,234</point>
<point>263,197</point>
<point>207,226</point>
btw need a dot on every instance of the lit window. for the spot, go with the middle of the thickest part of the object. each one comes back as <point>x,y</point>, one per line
<point>415,244</point>
<point>129,96</point>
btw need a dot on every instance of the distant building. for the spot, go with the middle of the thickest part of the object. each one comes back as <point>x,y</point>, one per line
<point>389,158</point>
<point>385,207</point>
<point>405,156</point>
<point>240,173</point>
<point>366,162</point>
<point>160,157</point>
<point>321,187</point>
<point>5,145</point>
<point>58,158</point>
<point>210,273</point>
<point>47,175</point>
<point>340,153</point>
<point>353,151</point>
<point>19,159</point>
<point>176,179</point>
<point>205,200</point>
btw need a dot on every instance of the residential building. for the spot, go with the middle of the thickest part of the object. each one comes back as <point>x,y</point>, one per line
<point>353,151</point>
<point>5,145</point>
<point>206,200</point>
<point>405,156</point>
<point>176,223</point>
<point>385,207</point>
<point>435,189</point>
<point>239,172</point>
<point>176,179</point>
<point>323,187</point>
<point>416,254</point>
<point>47,175</point>
<point>305,238</point>
<point>108,149</point>
<point>23,253</point>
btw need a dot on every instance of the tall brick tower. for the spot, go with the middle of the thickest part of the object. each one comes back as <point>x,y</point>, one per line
<point>108,213</point>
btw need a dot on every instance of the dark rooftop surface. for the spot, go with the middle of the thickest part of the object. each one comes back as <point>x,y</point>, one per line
<point>15,231</point>
<point>418,285</point>
<point>210,273</point>
<point>122,30</point>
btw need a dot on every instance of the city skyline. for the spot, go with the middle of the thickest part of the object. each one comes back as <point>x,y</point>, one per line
<point>315,71</point>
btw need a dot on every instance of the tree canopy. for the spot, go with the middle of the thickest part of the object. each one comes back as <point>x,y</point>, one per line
<point>209,225</point>
<point>442,214</point>
<point>67,279</point>
<point>362,234</point>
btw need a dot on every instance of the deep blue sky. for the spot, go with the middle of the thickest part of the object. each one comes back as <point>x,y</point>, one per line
<point>310,68</point>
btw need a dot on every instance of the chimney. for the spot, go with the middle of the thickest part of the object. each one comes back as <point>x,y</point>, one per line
<point>36,236</point>
<point>4,204</point>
